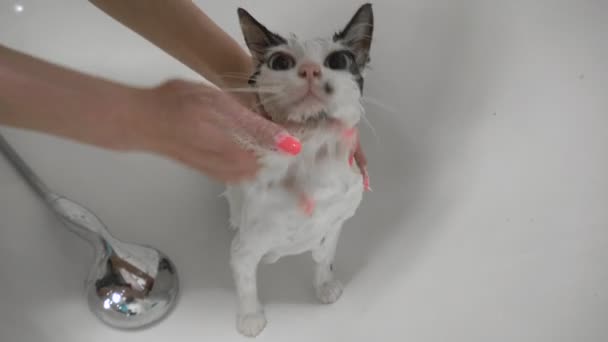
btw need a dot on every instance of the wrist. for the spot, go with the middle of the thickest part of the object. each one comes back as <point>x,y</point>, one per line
<point>152,120</point>
<point>135,121</point>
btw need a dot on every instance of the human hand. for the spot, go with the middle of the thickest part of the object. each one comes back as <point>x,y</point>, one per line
<point>201,126</point>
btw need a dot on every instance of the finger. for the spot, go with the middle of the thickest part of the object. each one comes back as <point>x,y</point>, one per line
<point>261,132</point>
<point>224,175</point>
<point>243,161</point>
<point>214,165</point>
<point>234,156</point>
<point>237,166</point>
<point>209,137</point>
<point>218,147</point>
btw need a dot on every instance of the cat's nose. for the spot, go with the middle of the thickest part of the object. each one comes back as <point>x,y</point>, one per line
<point>309,71</point>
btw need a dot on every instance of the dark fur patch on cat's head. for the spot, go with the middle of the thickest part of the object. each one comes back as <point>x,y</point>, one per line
<point>357,35</point>
<point>257,37</point>
<point>253,78</point>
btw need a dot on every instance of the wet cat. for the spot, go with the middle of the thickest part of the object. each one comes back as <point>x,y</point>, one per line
<point>299,204</point>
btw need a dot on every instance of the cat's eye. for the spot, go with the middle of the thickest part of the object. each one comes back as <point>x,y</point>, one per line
<point>281,61</point>
<point>339,60</point>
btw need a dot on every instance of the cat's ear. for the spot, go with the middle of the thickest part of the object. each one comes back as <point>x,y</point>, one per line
<point>357,35</point>
<point>257,37</point>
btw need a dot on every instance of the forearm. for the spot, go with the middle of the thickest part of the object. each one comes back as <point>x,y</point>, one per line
<point>37,95</point>
<point>181,29</point>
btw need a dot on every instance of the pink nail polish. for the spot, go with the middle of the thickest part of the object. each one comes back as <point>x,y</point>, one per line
<point>288,144</point>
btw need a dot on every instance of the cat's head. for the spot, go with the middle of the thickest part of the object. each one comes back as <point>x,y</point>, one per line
<point>307,80</point>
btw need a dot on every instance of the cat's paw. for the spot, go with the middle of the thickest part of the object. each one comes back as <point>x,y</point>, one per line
<point>330,291</point>
<point>251,324</point>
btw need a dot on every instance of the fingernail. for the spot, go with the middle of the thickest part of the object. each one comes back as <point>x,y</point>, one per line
<point>351,159</point>
<point>288,144</point>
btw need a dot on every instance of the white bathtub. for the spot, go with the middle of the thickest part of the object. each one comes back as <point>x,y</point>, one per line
<point>489,216</point>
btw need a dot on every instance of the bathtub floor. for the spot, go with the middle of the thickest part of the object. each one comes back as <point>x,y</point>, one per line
<point>489,215</point>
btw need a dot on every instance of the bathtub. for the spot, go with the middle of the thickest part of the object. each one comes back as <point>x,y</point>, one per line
<point>488,219</point>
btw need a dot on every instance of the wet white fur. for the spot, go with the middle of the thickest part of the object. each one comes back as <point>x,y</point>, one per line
<point>267,217</point>
<point>343,103</point>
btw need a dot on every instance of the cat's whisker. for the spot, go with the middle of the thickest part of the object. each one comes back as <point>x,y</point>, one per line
<point>371,127</point>
<point>266,90</point>
<point>235,73</point>
<point>379,104</point>
<point>235,77</point>
<point>268,100</point>
<point>243,77</point>
<point>271,99</point>
<point>199,90</point>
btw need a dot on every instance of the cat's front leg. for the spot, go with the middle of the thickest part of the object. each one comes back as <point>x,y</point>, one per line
<point>244,260</point>
<point>327,289</point>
